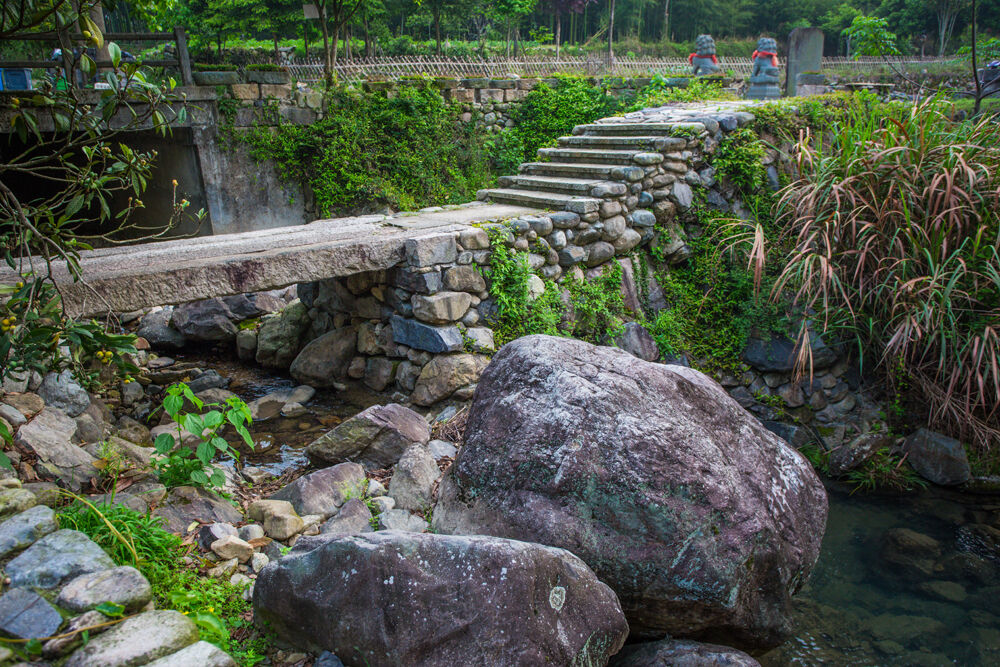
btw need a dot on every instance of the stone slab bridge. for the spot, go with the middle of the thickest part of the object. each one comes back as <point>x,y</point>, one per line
<point>128,278</point>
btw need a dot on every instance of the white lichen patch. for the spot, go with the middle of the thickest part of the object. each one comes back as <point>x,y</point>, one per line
<point>557,598</point>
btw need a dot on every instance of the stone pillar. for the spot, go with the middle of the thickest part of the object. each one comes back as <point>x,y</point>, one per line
<point>805,54</point>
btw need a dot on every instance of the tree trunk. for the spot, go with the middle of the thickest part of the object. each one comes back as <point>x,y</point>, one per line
<point>611,35</point>
<point>275,36</point>
<point>436,13</point>
<point>975,63</point>
<point>327,65</point>
<point>336,39</point>
<point>666,21</point>
<point>305,38</point>
<point>558,31</point>
<point>368,36</point>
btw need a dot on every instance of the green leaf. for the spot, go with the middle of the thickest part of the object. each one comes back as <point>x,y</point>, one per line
<point>173,404</point>
<point>5,462</point>
<point>205,452</point>
<point>33,647</point>
<point>192,424</point>
<point>212,419</point>
<point>110,609</point>
<point>115,52</point>
<point>218,477</point>
<point>164,443</point>
<point>199,477</point>
<point>220,444</point>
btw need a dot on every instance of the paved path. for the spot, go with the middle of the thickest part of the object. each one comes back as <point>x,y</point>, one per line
<point>128,278</point>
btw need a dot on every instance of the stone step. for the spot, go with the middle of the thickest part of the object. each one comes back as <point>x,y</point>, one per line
<point>538,199</point>
<point>631,128</point>
<point>583,187</point>
<point>615,142</point>
<point>588,155</point>
<point>572,169</point>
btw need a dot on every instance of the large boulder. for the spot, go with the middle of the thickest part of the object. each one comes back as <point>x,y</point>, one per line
<point>279,336</point>
<point>155,328</point>
<point>422,599</point>
<point>325,360</point>
<point>324,491</point>
<point>937,457</point>
<point>681,653</point>
<point>62,391</point>
<point>703,521</point>
<point>207,321</point>
<point>49,437</point>
<point>376,437</point>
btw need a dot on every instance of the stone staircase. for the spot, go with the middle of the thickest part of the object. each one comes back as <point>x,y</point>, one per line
<point>596,163</point>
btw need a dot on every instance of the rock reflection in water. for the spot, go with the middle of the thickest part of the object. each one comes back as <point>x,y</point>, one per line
<point>901,581</point>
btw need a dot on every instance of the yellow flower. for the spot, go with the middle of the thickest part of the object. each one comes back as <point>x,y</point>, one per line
<point>19,285</point>
<point>211,610</point>
<point>174,182</point>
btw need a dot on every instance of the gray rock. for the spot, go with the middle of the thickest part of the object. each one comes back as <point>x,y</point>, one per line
<point>395,519</point>
<point>682,195</point>
<point>571,255</point>
<point>210,379</point>
<point>280,336</point>
<point>421,336</point>
<point>22,530</point>
<point>937,457</point>
<point>324,360</point>
<point>63,392</point>
<point>246,344</point>
<point>210,532</point>
<point>25,614</point>
<point>49,437</point>
<point>56,558</point>
<point>138,640</point>
<point>122,585</point>
<point>681,653</point>
<point>155,328</point>
<point>353,518</point>
<point>442,448</point>
<point>715,531</point>
<point>15,500</point>
<point>464,279</point>
<point>185,504</point>
<point>413,479</point>
<point>599,252</point>
<point>207,321</point>
<point>12,415</point>
<point>376,437</point>
<point>777,354</point>
<point>430,250</point>
<point>200,654</point>
<point>442,376</point>
<point>532,605</point>
<point>637,341</point>
<point>851,455</point>
<point>324,491</point>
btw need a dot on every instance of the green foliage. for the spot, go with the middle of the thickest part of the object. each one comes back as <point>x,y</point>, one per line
<point>597,307</point>
<point>986,50</point>
<point>739,159</point>
<point>177,464</point>
<point>139,540</point>
<point>34,328</point>
<point>870,36</point>
<point>264,67</point>
<point>697,89</point>
<point>885,470</point>
<point>508,274</point>
<point>215,67</point>
<point>545,114</point>
<point>369,151</point>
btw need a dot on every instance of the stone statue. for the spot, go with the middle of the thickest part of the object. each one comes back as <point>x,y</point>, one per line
<point>703,60</point>
<point>764,80</point>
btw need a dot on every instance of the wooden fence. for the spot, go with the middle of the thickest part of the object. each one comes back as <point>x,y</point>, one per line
<point>357,69</point>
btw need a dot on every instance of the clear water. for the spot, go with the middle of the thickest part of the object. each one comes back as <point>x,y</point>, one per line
<point>860,609</point>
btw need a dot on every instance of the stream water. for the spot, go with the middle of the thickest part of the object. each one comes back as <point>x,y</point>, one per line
<point>902,579</point>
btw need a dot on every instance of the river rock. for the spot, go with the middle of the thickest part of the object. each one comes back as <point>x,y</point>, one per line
<point>324,491</point>
<point>207,321</point>
<point>22,530</point>
<point>187,504</point>
<point>909,553</point>
<point>681,653</point>
<point>56,558</point>
<point>49,436</point>
<point>15,500</point>
<point>937,457</point>
<point>122,585</point>
<point>637,341</point>
<point>443,375</point>
<point>25,614</point>
<point>413,480</point>
<point>324,361</point>
<point>200,653</point>
<point>278,517</point>
<point>63,392</point>
<point>702,521</point>
<point>138,641</point>
<point>853,454</point>
<point>155,328</point>
<point>777,354</point>
<point>353,518</point>
<point>279,336</point>
<point>376,437</point>
<point>442,600</point>
<point>402,520</point>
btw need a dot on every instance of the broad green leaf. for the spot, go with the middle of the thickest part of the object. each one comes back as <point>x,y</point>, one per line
<point>110,609</point>
<point>173,404</point>
<point>115,52</point>
<point>205,452</point>
<point>199,477</point>
<point>192,424</point>
<point>164,443</point>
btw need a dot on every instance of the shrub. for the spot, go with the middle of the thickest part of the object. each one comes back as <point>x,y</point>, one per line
<point>895,237</point>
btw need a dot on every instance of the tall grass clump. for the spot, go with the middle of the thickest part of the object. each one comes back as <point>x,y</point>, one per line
<point>893,224</point>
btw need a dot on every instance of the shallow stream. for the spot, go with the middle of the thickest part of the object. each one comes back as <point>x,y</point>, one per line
<point>927,595</point>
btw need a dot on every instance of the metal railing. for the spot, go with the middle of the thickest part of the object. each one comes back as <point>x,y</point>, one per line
<point>181,59</point>
<point>358,69</point>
